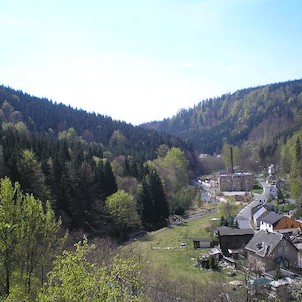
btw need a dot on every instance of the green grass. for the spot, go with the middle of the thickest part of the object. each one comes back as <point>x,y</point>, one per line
<point>179,262</point>
<point>257,188</point>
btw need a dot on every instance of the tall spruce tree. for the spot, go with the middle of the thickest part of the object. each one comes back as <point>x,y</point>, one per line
<point>153,204</point>
<point>110,185</point>
<point>161,206</point>
<point>146,206</point>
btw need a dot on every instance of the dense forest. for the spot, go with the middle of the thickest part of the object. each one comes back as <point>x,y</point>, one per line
<point>76,160</point>
<point>258,117</point>
<point>47,118</point>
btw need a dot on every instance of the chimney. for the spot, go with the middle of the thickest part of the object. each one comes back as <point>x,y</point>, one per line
<point>232,162</point>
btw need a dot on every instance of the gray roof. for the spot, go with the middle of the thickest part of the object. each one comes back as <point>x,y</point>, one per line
<point>260,212</point>
<point>260,218</point>
<point>263,242</point>
<point>268,206</point>
<point>227,231</point>
<point>271,218</point>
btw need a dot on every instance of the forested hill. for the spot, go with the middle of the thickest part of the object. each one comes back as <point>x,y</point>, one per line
<point>44,117</point>
<point>77,160</point>
<point>263,115</point>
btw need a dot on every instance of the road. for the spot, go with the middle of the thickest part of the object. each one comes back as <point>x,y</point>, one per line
<point>243,217</point>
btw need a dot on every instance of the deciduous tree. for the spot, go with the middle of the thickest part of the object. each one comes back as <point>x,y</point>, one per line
<point>122,207</point>
<point>75,278</point>
<point>28,236</point>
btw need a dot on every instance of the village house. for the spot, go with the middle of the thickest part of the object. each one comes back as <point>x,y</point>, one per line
<point>266,250</point>
<point>233,240</point>
<point>272,221</point>
<point>269,221</point>
<point>271,173</point>
<point>260,211</point>
<point>273,190</point>
<point>288,225</point>
<point>263,204</point>
<point>258,215</point>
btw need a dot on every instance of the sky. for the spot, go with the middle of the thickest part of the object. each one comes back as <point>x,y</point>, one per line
<point>143,60</point>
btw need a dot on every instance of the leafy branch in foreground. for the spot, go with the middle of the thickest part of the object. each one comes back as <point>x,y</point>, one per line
<point>28,240</point>
<point>76,278</point>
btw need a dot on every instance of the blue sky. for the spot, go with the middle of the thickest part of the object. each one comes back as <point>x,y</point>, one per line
<point>139,60</point>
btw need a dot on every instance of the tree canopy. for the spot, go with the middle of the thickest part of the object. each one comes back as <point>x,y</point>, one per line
<point>28,239</point>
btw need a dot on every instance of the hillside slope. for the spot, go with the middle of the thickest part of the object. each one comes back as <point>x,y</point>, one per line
<point>260,115</point>
<point>77,160</point>
<point>44,117</point>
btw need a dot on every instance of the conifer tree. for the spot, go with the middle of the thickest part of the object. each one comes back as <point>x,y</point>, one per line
<point>110,185</point>
<point>146,205</point>
<point>160,200</point>
<point>154,201</point>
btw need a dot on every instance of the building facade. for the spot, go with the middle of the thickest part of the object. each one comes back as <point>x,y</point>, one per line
<point>266,250</point>
<point>240,181</point>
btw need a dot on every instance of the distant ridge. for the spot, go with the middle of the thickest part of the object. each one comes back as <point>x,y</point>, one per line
<point>45,117</point>
<point>260,115</point>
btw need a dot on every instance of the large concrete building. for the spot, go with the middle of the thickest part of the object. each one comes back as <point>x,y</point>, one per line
<point>240,181</point>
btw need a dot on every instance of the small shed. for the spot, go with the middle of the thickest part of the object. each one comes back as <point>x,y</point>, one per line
<point>201,243</point>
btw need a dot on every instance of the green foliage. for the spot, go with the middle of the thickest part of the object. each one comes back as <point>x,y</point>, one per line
<point>296,188</point>
<point>172,169</point>
<point>122,207</point>
<point>184,199</point>
<point>213,263</point>
<point>17,293</point>
<point>228,210</point>
<point>117,138</point>
<point>72,158</point>
<point>296,290</point>
<point>292,164</point>
<point>75,278</point>
<point>28,238</point>
<point>32,178</point>
<point>153,203</point>
<point>7,109</point>
<point>69,135</point>
<point>257,188</point>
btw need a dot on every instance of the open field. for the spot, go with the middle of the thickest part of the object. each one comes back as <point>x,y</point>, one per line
<point>162,249</point>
